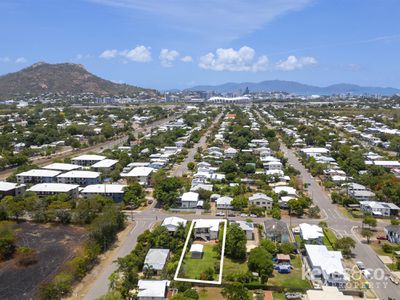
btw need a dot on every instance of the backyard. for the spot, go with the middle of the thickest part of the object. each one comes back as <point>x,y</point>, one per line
<point>196,268</point>
<point>291,280</point>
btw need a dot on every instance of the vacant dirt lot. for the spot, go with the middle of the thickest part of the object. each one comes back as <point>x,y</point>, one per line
<point>54,244</point>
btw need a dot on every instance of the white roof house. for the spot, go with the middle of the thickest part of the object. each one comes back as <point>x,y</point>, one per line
<point>8,186</point>
<point>153,289</point>
<point>88,157</point>
<point>105,164</point>
<point>224,202</point>
<point>104,189</point>
<point>211,224</point>
<point>289,190</point>
<point>312,151</point>
<point>54,188</point>
<point>172,223</point>
<point>379,208</point>
<point>62,167</point>
<point>39,173</point>
<point>190,197</point>
<point>311,232</point>
<point>156,259</point>
<point>327,293</point>
<point>327,264</point>
<point>138,172</point>
<point>79,174</point>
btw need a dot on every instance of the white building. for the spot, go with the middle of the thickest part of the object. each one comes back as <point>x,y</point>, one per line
<point>326,265</point>
<point>104,165</point>
<point>46,189</point>
<point>11,189</point>
<point>155,260</point>
<point>62,167</point>
<point>114,191</point>
<point>379,208</point>
<point>37,176</point>
<point>311,234</point>
<point>82,178</point>
<point>248,228</point>
<point>327,293</point>
<point>261,200</point>
<point>141,174</point>
<point>172,223</point>
<point>206,229</point>
<point>224,202</point>
<point>153,289</point>
<point>87,159</point>
<point>189,200</point>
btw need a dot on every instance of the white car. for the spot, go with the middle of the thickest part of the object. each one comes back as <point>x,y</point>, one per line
<point>220,214</point>
<point>366,273</point>
<point>360,265</point>
<point>243,215</point>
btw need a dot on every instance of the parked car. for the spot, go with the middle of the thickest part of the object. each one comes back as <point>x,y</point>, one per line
<point>360,265</point>
<point>220,214</point>
<point>243,215</point>
<point>253,216</point>
<point>394,279</point>
<point>366,273</point>
<point>381,238</point>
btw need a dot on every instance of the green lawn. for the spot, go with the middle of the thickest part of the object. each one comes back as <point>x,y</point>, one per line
<point>234,266</point>
<point>278,296</point>
<point>192,268</point>
<point>293,279</point>
<point>329,238</point>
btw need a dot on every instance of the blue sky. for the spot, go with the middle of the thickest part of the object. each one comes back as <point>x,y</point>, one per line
<point>180,43</point>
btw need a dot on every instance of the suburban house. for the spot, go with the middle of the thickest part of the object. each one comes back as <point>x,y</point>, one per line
<point>155,260</point>
<point>141,174</point>
<point>11,189</point>
<point>113,191</point>
<point>379,208</point>
<point>172,223</point>
<point>276,230</point>
<point>206,229</point>
<point>224,202</point>
<point>37,176</point>
<point>82,178</point>
<point>314,152</point>
<point>311,234</point>
<point>261,200</point>
<point>46,189</point>
<point>359,192</point>
<point>87,159</point>
<point>393,233</point>
<point>189,200</point>
<point>230,153</point>
<point>326,265</point>
<point>287,190</point>
<point>104,165</point>
<point>153,289</point>
<point>247,227</point>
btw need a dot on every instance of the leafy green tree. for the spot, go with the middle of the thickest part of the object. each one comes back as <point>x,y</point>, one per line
<point>345,244</point>
<point>7,240</point>
<point>370,221</point>
<point>286,248</point>
<point>269,245</point>
<point>228,166</point>
<point>260,261</point>
<point>134,194</point>
<point>235,246</point>
<point>367,233</point>
<point>240,202</point>
<point>235,291</point>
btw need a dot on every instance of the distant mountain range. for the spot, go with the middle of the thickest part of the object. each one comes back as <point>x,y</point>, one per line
<point>295,88</point>
<point>61,78</point>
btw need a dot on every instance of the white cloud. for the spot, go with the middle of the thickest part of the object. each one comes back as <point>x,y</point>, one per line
<point>230,21</point>
<point>242,60</point>
<point>138,54</point>
<point>107,54</point>
<point>294,63</point>
<point>167,57</point>
<point>5,59</point>
<point>187,59</point>
<point>20,60</point>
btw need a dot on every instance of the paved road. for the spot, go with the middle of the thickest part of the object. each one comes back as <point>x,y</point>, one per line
<point>345,227</point>
<point>100,286</point>
<point>182,167</point>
